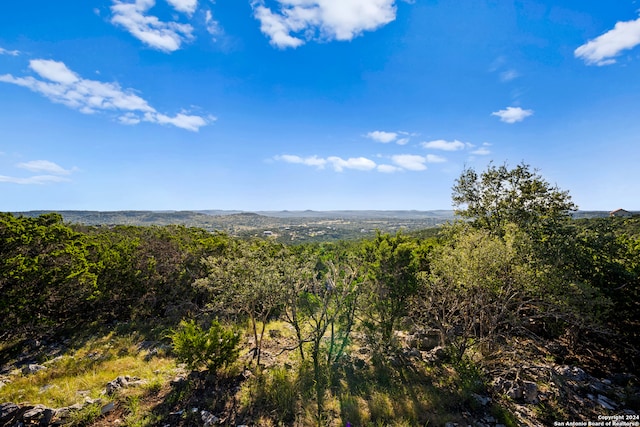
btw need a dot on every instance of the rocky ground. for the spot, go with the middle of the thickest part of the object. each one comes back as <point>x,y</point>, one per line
<point>534,394</point>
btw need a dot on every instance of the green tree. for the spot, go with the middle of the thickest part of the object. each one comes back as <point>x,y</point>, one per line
<point>326,308</point>
<point>46,278</point>
<point>246,280</point>
<point>500,196</point>
<point>478,288</point>
<point>392,263</point>
<point>147,272</point>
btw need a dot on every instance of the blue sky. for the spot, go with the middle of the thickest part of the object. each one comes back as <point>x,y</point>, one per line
<point>313,104</point>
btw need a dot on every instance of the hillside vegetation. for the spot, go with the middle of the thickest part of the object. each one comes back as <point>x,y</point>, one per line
<point>518,315</point>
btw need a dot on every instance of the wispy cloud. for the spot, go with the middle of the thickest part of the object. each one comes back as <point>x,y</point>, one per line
<point>432,158</point>
<point>482,151</point>
<point>388,168</point>
<point>512,114</point>
<point>213,26</point>
<point>46,166</point>
<point>39,179</point>
<point>52,172</point>
<point>501,66</point>
<point>299,21</point>
<point>601,50</point>
<point>9,52</point>
<point>164,36</point>
<point>508,75</point>
<point>441,144</point>
<point>63,86</point>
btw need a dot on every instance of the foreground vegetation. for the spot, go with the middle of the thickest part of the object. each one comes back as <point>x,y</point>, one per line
<point>480,323</point>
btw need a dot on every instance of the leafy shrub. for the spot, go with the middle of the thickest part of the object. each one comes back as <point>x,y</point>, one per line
<point>212,348</point>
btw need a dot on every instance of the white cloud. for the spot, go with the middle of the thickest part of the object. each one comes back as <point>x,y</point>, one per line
<point>410,162</point>
<point>54,71</point>
<point>441,144</point>
<point>164,36</point>
<point>39,179</point>
<point>180,120</point>
<point>63,86</point>
<point>301,20</point>
<point>9,52</point>
<point>184,6</point>
<point>381,136</point>
<point>358,163</point>
<point>277,28</point>
<point>400,162</point>
<point>339,164</point>
<point>44,166</point>
<point>512,114</point>
<point>309,161</point>
<point>602,49</point>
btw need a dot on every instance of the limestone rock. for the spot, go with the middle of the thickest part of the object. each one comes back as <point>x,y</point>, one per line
<point>32,368</point>
<point>208,418</point>
<point>122,382</point>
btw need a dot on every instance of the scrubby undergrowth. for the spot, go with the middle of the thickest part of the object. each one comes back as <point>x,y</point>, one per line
<point>403,387</point>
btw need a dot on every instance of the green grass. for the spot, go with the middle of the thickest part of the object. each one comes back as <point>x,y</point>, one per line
<point>85,371</point>
<point>86,416</point>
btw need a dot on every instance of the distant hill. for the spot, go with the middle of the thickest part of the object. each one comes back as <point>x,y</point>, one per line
<point>286,226</point>
<point>363,214</point>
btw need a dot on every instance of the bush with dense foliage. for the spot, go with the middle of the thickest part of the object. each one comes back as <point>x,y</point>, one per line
<point>212,348</point>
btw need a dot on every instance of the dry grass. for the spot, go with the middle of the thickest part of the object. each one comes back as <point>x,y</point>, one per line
<point>361,390</point>
<point>84,373</point>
